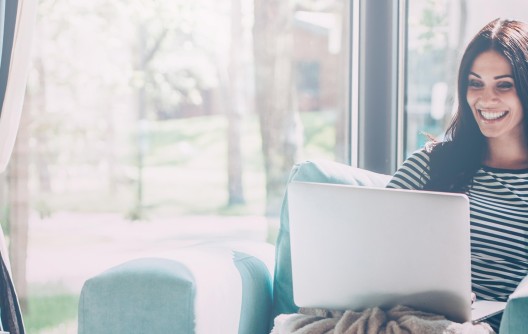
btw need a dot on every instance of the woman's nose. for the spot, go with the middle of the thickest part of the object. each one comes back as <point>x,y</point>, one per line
<point>488,95</point>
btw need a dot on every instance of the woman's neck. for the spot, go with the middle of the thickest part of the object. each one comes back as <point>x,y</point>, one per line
<point>510,156</point>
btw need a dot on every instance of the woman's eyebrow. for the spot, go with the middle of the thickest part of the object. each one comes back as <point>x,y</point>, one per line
<point>504,76</point>
<point>496,78</point>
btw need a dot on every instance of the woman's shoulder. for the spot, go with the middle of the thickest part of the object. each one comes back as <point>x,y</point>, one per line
<point>440,151</point>
<point>421,156</point>
<point>435,146</point>
<point>413,173</point>
<point>429,154</point>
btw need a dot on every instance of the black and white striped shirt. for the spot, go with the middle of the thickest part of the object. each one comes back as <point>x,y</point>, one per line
<point>499,223</point>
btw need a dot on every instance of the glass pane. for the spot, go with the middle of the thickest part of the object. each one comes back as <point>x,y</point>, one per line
<point>154,125</point>
<point>438,31</point>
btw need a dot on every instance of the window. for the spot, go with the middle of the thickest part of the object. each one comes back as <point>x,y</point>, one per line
<point>152,125</point>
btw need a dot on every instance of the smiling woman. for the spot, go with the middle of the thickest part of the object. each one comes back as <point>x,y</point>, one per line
<point>493,98</point>
<point>485,156</point>
<point>438,31</point>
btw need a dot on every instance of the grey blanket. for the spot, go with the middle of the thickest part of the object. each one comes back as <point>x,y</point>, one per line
<point>397,320</point>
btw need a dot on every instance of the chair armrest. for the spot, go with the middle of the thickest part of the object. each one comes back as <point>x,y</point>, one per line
<point>514,320</point>
<point>211,288</point>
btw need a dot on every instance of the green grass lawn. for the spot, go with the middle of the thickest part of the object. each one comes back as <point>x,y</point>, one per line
<point>185,170</point>
<point>49,311</point>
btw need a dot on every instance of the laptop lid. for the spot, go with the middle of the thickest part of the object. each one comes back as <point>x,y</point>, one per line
<point>358,247</point>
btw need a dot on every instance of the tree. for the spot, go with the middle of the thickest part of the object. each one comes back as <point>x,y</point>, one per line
<point>234,110</point>
<point>71,65</point>
<point>145,54</point>
<point>163,85</point>
<point>275,102</point>
<point>436,19</point>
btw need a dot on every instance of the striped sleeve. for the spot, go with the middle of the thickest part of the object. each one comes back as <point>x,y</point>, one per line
<point>413,173</point>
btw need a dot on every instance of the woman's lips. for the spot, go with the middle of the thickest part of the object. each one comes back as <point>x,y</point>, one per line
<point>492,115</point>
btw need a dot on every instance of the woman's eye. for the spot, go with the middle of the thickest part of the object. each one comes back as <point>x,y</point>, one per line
<point>474,84</point>
<point>504,85</point>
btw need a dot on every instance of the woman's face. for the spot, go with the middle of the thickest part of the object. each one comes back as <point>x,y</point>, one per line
<point>493,98</point>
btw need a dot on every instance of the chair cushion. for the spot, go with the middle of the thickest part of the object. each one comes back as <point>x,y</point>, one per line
<point>310,171</point>
<point>514,316</point>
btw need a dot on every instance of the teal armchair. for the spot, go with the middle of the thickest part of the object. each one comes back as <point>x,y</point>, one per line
<point>227,288</point>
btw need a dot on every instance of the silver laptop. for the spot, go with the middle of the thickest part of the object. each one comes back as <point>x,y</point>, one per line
<point>359,247</point>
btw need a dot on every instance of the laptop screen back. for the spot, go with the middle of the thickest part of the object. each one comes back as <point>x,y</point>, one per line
<point>357,247</point>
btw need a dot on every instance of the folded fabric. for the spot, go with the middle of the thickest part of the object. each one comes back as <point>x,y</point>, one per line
<point>397,320</point>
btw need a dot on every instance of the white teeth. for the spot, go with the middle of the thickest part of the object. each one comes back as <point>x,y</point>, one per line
<point>492,115</point>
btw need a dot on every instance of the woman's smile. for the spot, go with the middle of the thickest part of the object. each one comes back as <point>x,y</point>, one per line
<point>492,115</point>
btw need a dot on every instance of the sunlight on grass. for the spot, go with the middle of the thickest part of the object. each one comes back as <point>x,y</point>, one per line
<point>47,311</point>
<point>185,170</point>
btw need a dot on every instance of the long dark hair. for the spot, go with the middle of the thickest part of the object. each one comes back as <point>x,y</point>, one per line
<point>455,161</point>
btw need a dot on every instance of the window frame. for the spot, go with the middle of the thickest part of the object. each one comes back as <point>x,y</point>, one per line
<point>377,81</point>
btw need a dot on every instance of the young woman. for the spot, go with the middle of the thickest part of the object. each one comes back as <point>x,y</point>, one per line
<point>485,155</point>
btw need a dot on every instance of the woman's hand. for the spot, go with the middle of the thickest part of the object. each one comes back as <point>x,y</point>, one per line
<point>473,297</point>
